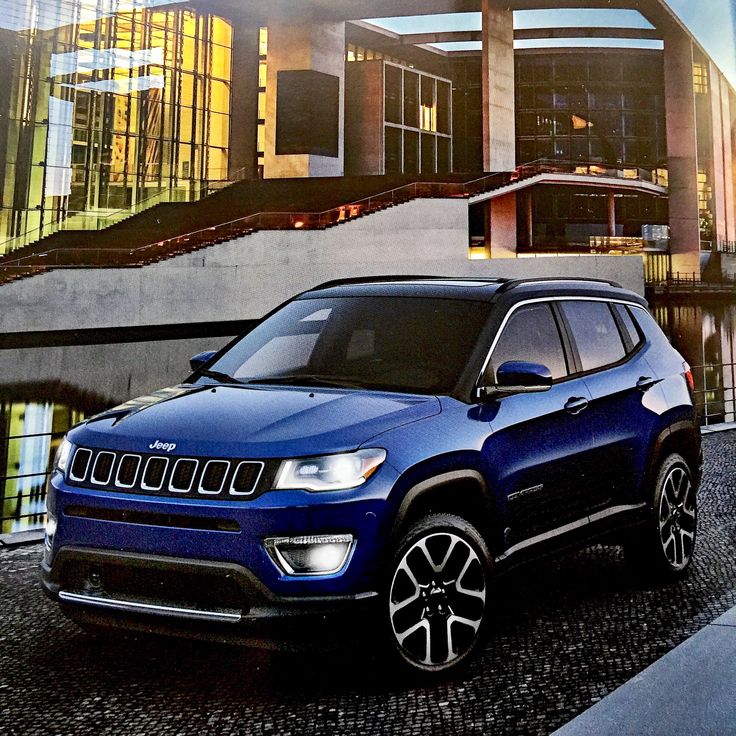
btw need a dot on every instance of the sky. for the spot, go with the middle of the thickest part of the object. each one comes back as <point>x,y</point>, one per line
<point>713,22</point>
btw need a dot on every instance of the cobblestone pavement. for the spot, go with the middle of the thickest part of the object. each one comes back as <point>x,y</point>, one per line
<point>567,633</point>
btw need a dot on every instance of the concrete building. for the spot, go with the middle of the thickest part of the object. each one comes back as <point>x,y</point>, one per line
<point>122,120</point>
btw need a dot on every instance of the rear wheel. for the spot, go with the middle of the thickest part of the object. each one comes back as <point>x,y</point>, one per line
<point>438,592</point>
<point>664,546</point>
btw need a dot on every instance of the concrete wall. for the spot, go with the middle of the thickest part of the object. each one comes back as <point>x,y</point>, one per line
<point>319,47</point>
<point>246,278</point>
<point>364,116</point>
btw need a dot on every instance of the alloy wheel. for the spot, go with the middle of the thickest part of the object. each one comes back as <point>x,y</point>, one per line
<point>437,599</point>
<point>677,518</point>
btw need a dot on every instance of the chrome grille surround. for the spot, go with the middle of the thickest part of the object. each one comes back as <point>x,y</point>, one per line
<point>211,468</point>
<point>155,486</point>
<point>99,464</point>
<point>123,459</point>
<point>163,476</point>
<point>81,455</point>
<point>254,485</point>
<point>180,463</point>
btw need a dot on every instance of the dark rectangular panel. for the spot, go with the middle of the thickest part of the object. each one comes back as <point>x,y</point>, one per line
<point>307,113</point>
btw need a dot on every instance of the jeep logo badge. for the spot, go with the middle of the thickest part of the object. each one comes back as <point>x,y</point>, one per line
<point>166,446</point>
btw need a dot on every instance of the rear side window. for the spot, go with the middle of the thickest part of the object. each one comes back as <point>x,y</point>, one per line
<point>595,333</point>
<point>531,335</point>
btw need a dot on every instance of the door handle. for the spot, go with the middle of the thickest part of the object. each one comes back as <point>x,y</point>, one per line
<point>645,383</point>
<point>575,405</point>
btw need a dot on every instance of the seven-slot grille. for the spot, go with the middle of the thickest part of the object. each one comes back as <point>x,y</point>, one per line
<point>158,475</point>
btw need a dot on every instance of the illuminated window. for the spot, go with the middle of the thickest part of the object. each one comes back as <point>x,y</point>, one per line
<point>263,41</point>
<point>262,72</point>
<point>661,177</point>
<point>700,78</point>
<point>428,118</point>
<point>705,194</point>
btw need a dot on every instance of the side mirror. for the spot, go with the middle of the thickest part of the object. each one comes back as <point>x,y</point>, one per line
<point>197,361</point>
<point>518,377</point>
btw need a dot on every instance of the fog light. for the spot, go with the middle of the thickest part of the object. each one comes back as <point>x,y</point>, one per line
<point>314,555</point>
<point>49,530</point>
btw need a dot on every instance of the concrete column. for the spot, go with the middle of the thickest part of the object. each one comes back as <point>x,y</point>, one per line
<point>682,153</point>
<point>318,47</point>
<point>243,161</point>
<point>611,197</point>
<point>500,226</point>
<point>723,174</point>
<point>499,117</point>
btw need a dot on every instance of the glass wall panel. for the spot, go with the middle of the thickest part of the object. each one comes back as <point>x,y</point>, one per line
<point>98,116</point>
<point>411,99</point>
<point>392,94</point>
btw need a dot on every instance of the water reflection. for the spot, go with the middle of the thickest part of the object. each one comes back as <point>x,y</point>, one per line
<point>45,391</point>
<point>704,334</point>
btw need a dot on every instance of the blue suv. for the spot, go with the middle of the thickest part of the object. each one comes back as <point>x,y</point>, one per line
<point>391,445</point>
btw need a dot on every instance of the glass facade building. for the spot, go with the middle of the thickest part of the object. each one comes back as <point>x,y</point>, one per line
<point>103,117</point>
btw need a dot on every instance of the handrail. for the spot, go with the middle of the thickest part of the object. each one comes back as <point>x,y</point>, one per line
<point>114,216</point>
<point>329,217</point>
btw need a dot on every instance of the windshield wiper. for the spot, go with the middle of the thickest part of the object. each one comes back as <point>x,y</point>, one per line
<point>307,379</point>
<point>219,376</point>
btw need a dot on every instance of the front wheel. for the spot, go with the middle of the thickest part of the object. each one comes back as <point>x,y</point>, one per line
<point>664,546</point>
<point>438,592</point>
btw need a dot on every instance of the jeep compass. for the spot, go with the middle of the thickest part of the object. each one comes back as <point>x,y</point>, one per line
<point>388,445</point>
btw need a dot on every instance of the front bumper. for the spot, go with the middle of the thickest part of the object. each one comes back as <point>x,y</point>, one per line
<point>191,598</point>
<point>131,560</point>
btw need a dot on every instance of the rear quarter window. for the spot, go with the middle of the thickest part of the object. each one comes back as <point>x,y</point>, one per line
<point>631,335</point>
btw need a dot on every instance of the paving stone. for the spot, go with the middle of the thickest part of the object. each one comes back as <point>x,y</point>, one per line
<point>566,633</point>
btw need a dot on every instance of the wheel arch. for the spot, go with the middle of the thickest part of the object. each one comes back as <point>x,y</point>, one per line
<point>683,438</point>
<point>463,492</point>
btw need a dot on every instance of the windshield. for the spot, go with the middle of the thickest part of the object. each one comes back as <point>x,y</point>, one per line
<point>405,344</point>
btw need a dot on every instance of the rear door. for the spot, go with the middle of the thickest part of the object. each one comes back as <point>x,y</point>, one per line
<point>540,452</point>
<point>609,353</point>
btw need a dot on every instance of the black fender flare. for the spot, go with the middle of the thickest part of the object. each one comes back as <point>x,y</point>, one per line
<point>435,482</point>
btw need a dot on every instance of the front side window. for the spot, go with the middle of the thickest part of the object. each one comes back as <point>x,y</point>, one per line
<point>406,344</point>
<point>531,335</point>
<point>595,333</point>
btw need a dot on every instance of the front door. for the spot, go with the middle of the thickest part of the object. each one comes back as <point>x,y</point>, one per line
<point>541,452</point>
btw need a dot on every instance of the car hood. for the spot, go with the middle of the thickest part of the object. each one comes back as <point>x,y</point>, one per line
<point>250,421</point>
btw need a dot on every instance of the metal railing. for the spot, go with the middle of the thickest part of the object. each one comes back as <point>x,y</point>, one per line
<point>91,257</point>
<point>25,510</point>
<point>715,392</point>
<point>93,220</point>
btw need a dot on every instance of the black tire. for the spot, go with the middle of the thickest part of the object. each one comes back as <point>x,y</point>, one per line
<point>662,548</point>
<point>437,595</point>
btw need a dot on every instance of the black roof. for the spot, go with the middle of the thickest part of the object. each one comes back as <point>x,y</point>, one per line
<point>476,288</point>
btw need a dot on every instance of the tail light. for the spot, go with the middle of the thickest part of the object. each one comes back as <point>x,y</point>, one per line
<point>688,376</point>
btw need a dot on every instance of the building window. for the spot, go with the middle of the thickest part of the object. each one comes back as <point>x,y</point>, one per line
<point>700,78</point>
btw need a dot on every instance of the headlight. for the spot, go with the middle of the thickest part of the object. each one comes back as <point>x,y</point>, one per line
<point>329,472</point>
<point>61,460</point>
